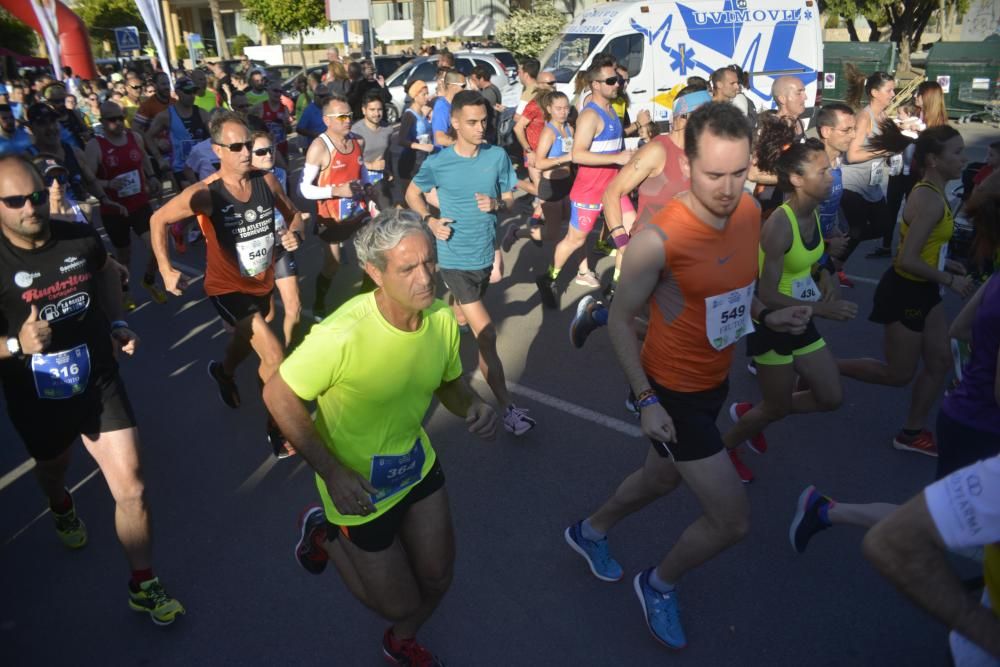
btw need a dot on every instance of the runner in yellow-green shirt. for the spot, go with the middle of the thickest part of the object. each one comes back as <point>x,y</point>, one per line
<point>373,367</point>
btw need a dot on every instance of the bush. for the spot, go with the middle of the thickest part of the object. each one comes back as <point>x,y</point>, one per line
<point>240,43</point>
<point>182,51</point>
<point>832,22</point>
<point>527,33</point>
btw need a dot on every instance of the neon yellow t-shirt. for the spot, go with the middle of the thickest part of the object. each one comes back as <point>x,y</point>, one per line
<point>372,384</point>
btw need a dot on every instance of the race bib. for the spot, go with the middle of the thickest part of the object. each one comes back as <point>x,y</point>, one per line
<point>567,143</point>
<point>392,474</point>
<point>375,176</point>
<point>347,207</point>
<point>878,170</point>
<point>277,131</point>
<point>727,317</point>
<point>255,255</point>
<point>131,183</point>
<point>896,165</point>
<point>805,289</point>
<point>942,257</point>
<point>61,374</point>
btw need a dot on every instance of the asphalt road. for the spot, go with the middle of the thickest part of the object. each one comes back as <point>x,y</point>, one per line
<point>225,518</point>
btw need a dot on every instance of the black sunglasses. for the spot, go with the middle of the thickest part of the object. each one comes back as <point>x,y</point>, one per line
<point>261,152</point>
<point>17,201</point>
<point>611,81</point>
<point>112,119</point>
<point>238,147</point>
<point>139,87</point>
<point>61,179</point>
<point>187,90</point>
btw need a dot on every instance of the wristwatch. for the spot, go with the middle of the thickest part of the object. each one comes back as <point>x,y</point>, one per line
<point>14,347</point>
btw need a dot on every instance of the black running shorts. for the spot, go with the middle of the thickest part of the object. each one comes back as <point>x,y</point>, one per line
<point>466,286</point>
<point>119,228</point>
<point>379,534</point>
<point>284,264</point>
<point>899,299</point>
<point>694,415</point>
<point>50,427</point>
<point>332,231</point>
<point>235,307</point>
<point>553,190</point>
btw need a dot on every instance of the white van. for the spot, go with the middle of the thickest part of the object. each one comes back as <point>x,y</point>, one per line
<point>663,42</point>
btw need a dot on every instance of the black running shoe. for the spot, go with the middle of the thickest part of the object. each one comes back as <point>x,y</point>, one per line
<point>547,291</point>
<point>807,521</point>
<point>228,391</point>
<point>275,438</point>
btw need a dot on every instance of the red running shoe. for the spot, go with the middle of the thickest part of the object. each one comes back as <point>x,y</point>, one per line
<point>921,443</point>
<point>844,280</point>
<point>758,443</point>
<point>746,475</point>
<point>407,652</point>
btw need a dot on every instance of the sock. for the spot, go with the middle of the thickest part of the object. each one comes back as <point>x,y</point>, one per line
<point>554,272</point>
<point>600,316</point>
<point>64,506</point>
<point>590,533</point>
<point>824,512</point>
<point>618,272</point>
<point>139,576</point>
<point>912,432</point>
<point>658,584</point>
<point>322,287</point>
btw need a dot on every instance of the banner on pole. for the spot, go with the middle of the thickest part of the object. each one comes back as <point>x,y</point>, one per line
<point>45,11</point>
<point>150,12</point>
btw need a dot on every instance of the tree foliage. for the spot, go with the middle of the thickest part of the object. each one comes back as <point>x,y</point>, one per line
<point>108,13</point>
<point>528,32</point>
<point>15,35</point>
<point>286,17</point>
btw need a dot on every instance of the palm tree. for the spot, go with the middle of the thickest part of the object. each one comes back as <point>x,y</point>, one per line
<point>418,24</point>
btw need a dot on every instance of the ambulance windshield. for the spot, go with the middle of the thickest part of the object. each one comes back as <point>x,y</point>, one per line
<point>565,55</point>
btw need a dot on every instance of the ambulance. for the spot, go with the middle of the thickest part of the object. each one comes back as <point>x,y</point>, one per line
<point>662,43</point>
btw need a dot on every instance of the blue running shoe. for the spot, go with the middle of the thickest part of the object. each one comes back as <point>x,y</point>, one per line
<point>662,612</point>
<point>808,520</point>
<point>602,565</point>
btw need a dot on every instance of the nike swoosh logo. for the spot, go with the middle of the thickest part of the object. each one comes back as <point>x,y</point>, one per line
<point>723,260</point>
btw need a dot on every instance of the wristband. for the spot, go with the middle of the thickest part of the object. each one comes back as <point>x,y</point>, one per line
<point>648,401</point>
<point>643,395</point>
<point>762,315</point>
<point>119,324</point>
<point>621,240</point>
<point>426,218</point>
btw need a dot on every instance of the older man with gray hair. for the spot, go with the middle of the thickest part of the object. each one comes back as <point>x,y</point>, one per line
<point>373,368</point>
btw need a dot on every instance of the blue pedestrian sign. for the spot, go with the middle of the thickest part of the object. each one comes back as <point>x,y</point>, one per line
<point>127,38</point>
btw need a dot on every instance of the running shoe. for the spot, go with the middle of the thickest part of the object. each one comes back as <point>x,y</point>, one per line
<point>128,303</point>
<point>228,391</point>
<point>177,234</point>
<point>587,279</point>
<point>153,599</point>
<point>602,565</point>
<point>604,247</point>
<point>661,611</point>
<point>407,652</point>
<point>279,445</point>
<point>922,443</point>
<point>547,291</point>
<point>155,293</point>
<point>309,551</point>
<point>746,475</point>
<point>844,280</point>
<point>583,322</point>
<point>758,443</point>
<point>509,238</point>
<point>630,404</point>
<point>517,421</point>
<point>880,252</point>
<point>807,521</point>
<point>609,292</point>
<point>70,528</point>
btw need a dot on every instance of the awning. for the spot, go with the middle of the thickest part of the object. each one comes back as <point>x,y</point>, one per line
<point>24,61</point>
<point>402,31</point>
<point>473,25</point>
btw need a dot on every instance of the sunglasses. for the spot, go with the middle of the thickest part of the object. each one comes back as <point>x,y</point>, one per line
<point>342,117</point>
<point>17,201</point>
<point>112,119</point>
<point>611,81</point>
<point>238,147</point>
<point>61,179</point>
<point>241,107</point>
<point>261,152</point>
<point>139,87</point>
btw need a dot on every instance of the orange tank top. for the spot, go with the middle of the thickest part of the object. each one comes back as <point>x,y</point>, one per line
<point>343,168</point>
<point>701,305</point>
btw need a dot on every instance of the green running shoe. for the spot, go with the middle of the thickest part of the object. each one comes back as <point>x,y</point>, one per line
<point>70,528</point>
<point>153,599</point>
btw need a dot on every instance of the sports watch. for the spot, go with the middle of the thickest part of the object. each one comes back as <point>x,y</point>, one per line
<point>14,347</point>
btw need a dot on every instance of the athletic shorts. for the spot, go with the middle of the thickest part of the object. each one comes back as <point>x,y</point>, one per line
<point>119,228</point>
<point>583,217</point>
<point>379,533</point>
<point>776,348</point>
<point>50,427</point>
<point>333,231</point>
<point>866,219</point>
<point>234,307</point>
<point>284,263</point>
<point>552,190</point>
<point>467,286</point>
<point>694,414</point>
<point>961,445</point>
<point>899,299</point>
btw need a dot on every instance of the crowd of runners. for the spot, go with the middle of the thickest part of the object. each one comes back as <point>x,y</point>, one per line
<point>728,223</point>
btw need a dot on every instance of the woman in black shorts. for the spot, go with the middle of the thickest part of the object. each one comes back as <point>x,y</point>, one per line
<point>908,298</point>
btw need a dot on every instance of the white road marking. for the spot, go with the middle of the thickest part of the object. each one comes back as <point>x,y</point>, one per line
<point>31,523</point>
<point>862,279</point>
<point>16,474</point>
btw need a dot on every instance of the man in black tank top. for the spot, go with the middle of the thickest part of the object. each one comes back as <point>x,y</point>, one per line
<point>195,122</point>
<point>235,208</point>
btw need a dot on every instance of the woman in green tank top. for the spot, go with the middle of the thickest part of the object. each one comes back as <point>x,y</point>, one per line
<point>908,297</point>
<point>792,274</point>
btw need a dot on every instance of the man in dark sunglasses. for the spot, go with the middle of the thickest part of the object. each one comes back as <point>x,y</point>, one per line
<point>59,372</point>
<point>123,169</point>
<point>235,209</point>
<point>132,98</point>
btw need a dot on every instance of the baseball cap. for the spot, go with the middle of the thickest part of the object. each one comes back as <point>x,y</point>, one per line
<point>117,77</point>
<point>46,164</point>
<point>687,103</point>
<point>39,112</point>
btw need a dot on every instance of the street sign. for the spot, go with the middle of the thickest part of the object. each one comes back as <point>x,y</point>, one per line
<point>347,10</point>
<point>127,38</point>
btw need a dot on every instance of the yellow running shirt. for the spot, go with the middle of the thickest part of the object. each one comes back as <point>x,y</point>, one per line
<point>372,384</point>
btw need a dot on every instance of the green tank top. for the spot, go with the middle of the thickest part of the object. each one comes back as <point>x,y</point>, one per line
<point>796,272</point>
<point>935,250</point>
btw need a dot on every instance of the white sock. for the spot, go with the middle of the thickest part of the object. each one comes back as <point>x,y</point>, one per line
<point>658,584</point>
<point>591,533</point>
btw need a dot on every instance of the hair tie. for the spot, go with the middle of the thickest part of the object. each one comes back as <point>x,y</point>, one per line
<point>785,148</point>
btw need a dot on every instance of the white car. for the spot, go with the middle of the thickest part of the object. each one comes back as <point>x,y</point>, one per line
<point>425,69</point>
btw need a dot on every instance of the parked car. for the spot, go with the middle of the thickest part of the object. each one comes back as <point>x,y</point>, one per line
<point>386,65</point>
<point>288,86</point>
<point>504,56</point>
<point>425,69</point>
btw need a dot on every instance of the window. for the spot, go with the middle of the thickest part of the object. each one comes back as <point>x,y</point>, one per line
<point>425,71</point>
<point>564,57</point>
<point>627,50</point>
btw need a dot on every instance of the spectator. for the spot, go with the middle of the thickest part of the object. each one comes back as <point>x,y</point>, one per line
<point>336,79</point>
<point>311,123</point>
